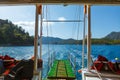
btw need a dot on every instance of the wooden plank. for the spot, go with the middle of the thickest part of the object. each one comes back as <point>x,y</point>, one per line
<point>60,1</point>
<point>70,73</point>
<point>61,73</point>
<point>61,69</point>
<point>53,71</point>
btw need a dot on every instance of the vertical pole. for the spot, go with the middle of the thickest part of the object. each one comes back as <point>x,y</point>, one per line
<point>36,41</point>
<point>41,37</point>
<point>40,12</point>
<point>83,47</point>
<point>89,39</point>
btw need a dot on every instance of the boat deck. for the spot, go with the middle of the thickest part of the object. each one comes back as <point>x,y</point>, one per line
<point>1,77</point>
<point>92,75</point>
<point>61,69</point>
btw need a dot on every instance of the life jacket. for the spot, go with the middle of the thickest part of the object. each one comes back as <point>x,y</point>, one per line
<point>114,68</point>
<point>22,70</point>
<point>1,57</point>
<point>9,64</point>
<point>98,64</point>
<point>102,58</point>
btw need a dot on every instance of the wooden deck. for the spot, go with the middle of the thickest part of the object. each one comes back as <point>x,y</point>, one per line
<point>61,69</point>
<point>92,75</point>
<point>1,77</point>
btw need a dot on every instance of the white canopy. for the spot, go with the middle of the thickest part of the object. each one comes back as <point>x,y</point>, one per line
<point>60,1</point>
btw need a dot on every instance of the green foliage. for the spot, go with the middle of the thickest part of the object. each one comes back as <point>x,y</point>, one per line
<point>11,34</point>
<point>105,41</point>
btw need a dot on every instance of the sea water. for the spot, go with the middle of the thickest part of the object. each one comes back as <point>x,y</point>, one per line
<point>61,52</point>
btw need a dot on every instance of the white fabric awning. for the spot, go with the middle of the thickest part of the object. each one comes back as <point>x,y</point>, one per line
<point>92,2</point>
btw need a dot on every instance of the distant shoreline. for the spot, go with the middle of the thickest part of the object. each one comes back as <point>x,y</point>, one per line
<point>15,45</point>
<point>8,45</point>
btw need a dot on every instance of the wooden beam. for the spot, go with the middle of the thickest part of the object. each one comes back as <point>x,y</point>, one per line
<point>89,38</point>
<point>36,41</point>
<point>92,2</point>
<point>62,21</point>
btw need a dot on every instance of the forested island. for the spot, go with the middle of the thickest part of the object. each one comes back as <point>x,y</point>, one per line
<point>11,34</point>
<point>112,38</point>
<point>52,40</point>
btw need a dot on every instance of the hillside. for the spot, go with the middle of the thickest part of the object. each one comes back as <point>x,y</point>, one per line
<point>51,40</point>
<point>55,40</point>
<point>11,34</point>
<point>113,36</point>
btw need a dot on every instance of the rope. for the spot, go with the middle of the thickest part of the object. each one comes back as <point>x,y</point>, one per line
<point>47,31</point>
<point>84,27</point>
<point>74,28</point>
<point>96,70</point>
<point>78,23</point>
<point>41,29</point>
<point>49,60</point>
<point>52,55</point>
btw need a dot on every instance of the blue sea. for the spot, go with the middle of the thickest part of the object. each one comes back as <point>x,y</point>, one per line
<point>62,52</point>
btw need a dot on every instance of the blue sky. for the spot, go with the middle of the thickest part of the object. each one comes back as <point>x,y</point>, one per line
<point>105,19</point>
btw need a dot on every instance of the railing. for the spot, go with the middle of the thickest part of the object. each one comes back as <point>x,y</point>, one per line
<point>72,60</point>
<point>51,59</point>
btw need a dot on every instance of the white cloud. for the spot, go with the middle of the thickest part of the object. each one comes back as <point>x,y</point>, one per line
<point>61,18</point>
<point>30,26</point>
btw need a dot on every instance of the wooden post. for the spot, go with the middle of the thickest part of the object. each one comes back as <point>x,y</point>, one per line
<point>83,47</point>
<point>89,39</point>
<point>40,12</point>
<point>36,41</point>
